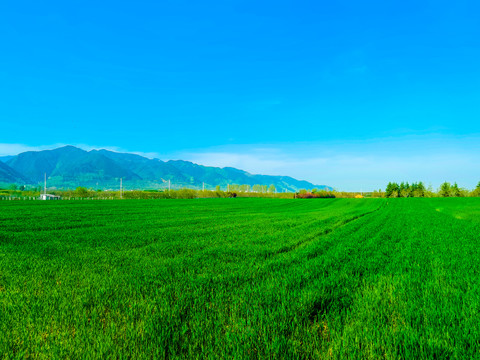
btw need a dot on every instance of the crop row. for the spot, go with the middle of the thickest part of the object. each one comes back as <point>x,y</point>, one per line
<point>240,278</point>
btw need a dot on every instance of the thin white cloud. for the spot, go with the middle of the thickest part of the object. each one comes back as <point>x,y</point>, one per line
<point>15,149</point>
<point>357,165</point>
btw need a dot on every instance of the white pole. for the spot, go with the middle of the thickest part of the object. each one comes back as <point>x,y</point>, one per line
<point>203,186</point>
<point>45,187</point>
<point>121,189</point>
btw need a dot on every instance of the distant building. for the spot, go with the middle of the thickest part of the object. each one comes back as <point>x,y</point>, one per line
<point>49,197</point>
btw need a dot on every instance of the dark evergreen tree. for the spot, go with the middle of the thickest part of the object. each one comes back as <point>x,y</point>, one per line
<point>408,190</point>
<point>420,189</point>
<point>389,190</point>
<point>455,191</point>
<point>445,189</point>
<point>392,190</point>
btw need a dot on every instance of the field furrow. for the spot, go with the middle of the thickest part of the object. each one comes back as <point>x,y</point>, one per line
<point>240,278</point>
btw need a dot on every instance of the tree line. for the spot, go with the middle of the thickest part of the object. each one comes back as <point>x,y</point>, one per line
<point>393,189</point>
<point>315,194</point>
<point>446,189</point>
<point>185,193</point>
<point>245,188</point>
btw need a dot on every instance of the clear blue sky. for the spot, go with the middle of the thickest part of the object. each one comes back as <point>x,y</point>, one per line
<point>347,93</point>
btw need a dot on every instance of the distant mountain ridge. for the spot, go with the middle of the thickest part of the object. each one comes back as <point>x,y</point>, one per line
<point>69,167</point>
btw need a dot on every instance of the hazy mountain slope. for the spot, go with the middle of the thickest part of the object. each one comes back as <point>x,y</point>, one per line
<point>9,175</point>
<point>92,166</point>
<point>5,158</point>
<point>146,169</point>
<point>228,175</point>
<point>34,164</point>
<point>70,167</point>
<point>210,175</point>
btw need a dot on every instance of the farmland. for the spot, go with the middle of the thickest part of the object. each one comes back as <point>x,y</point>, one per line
<point>240,278</point>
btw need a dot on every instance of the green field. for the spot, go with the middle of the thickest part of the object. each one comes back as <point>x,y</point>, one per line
<point>240,278</point>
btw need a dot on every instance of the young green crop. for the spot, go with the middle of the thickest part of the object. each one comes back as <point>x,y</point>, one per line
<point>240,278</point>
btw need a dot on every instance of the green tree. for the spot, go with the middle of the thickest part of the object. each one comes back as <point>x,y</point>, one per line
<point>272,189</point>
<point>476,192</point>
<point>405,190</point>
<point>408,189</point>
<point>388,190</point>
<point>81,192</point>
<point>445,189</point>
<point>455,190</point>
<point>411,189</point>
<point>233,187</point>
<point>419,190</point>
<point>392,190</point>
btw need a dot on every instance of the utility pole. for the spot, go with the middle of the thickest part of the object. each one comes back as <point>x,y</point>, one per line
<point>121,189</point>
<point>203,186</point>
<point>168,185</point>
<point>45,186</point>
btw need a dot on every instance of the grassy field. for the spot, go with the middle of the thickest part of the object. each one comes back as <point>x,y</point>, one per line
<point>240,278</point>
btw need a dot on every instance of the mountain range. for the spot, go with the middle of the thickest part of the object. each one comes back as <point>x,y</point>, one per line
<point>70,167</point>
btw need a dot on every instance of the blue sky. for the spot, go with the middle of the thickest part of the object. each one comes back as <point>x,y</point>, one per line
<point>350,94</point>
